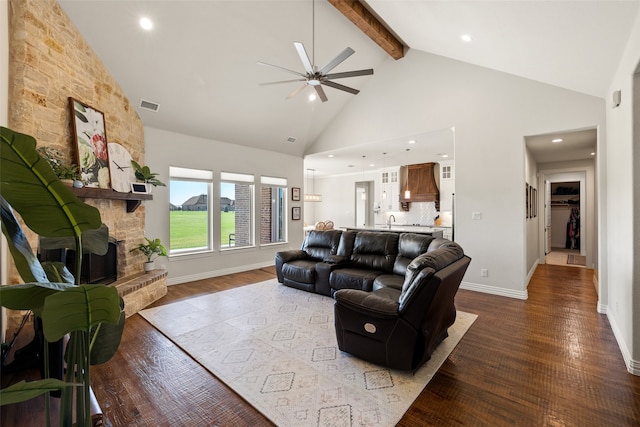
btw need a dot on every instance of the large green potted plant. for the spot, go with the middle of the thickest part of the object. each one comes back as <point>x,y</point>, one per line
<point>92,315</point>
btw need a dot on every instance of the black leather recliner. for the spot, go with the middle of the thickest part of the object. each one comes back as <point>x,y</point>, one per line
<point>400,328</point>
<point>298,268</point>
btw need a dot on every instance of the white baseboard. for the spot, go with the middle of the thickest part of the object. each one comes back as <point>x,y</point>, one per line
<point>494,290</point>
<point>633,366</point>
<point>216,273</point>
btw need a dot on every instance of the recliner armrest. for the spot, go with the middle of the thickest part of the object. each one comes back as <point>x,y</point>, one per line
<point>292,255</point>
<point>368,303</point>
<point>336,259</point>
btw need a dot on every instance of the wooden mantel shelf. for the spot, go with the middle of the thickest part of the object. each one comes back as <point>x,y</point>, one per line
<point>133,200</point>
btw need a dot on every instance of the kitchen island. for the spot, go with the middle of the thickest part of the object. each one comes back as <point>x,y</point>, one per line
<point>418,229</point>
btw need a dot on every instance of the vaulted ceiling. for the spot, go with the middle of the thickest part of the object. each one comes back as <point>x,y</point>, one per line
<point>199,62</point>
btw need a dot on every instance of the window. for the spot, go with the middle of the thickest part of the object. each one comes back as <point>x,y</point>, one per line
<point>236,210</point>
<point>273,208</point>
<point>446,172</point>
<point>385,177</point>
<point>189,210</point>
<point>394,176</point>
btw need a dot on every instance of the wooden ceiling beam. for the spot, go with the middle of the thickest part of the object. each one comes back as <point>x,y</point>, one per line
<point>369,24</point>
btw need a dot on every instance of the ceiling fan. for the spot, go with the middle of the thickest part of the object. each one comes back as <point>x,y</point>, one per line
<point>316,77</point>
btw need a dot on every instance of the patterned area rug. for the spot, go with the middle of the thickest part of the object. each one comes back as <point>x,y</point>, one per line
<point>577,260</point>
<point>276,347</point>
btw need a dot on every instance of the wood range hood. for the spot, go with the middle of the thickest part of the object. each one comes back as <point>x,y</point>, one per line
<point>420,180</point>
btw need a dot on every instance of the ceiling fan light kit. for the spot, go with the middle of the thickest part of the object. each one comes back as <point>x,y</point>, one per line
<point>318,77</point>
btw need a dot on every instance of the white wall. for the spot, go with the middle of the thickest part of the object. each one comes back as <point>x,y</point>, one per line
<point>622,189</point>
<point>491,112</point>
<point>532,224</point>
<point>164,149</point>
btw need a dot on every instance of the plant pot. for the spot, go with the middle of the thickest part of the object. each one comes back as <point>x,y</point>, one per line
<point>78,184</point>
<point>148,266</point>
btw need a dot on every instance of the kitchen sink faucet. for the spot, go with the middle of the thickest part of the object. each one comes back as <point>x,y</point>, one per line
<point>389,220</point>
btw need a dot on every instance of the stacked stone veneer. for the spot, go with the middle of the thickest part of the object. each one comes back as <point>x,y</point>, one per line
<point>49,62</point>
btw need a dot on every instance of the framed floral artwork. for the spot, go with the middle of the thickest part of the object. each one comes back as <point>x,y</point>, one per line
<point>90,138</point>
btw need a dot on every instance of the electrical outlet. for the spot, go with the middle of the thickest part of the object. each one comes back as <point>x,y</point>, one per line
<point>484,272</point>
<point>476,216</point>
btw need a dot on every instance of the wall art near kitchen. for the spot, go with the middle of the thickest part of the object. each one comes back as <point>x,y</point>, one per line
<point>92,154</point>
<point>526,198</point>
<point>295,194</point>
<point>295,213</point>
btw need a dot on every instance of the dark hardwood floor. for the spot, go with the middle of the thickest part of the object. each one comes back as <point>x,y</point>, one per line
<point>551,360</point>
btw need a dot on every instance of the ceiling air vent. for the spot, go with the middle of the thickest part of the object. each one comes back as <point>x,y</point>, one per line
<point>291,140</point>
<point>148,105</point>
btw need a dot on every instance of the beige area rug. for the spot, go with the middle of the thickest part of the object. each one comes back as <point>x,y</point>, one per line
<point>276,347</point>
<point>577,260</point>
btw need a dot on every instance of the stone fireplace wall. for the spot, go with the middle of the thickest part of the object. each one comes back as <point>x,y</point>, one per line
<point>49,61</point>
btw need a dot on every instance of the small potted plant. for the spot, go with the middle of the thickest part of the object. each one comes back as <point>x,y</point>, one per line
<point>66,172</point>
<point>144,174</point>
<point>152,249</point>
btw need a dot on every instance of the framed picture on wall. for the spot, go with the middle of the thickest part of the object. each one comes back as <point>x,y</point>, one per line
<point>526,198</point>
<point>295,194</point>
<point>90,139</point>
<point>535,202</point>
<point>295,213</point>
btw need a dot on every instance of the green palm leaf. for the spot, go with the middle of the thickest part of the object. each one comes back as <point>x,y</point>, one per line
<point>28,183</point>
<point>79,309</point>
<point>23,390</point>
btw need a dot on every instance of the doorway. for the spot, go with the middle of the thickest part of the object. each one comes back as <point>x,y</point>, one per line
<point>563,228</point>
<point>363,211</point>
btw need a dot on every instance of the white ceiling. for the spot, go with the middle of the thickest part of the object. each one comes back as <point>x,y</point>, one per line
<point>199,61</point>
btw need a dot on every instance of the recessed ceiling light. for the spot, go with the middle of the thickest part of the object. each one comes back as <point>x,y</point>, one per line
<point>466,38</point>
<point>372,164</point>
<point>413,141</point>
<point>312,97</point>
<point>330,155</point>
<point>555,141</point>
<point>146,23</point>
<point>593,153</point>
<point>445,156</point>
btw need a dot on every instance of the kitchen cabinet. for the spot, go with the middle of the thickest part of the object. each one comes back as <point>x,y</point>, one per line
<point>420,180</point>
<point>446,185</point>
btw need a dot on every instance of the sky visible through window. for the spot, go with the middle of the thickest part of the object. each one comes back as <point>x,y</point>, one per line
<point>181,191</point>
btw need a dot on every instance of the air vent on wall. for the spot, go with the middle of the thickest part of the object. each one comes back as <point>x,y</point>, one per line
<point>291,140</point>
<point>148,105</point>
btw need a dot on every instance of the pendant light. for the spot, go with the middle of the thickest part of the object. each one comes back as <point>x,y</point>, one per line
<point>384,170</point>
<point>313,196</point>
<point>407,192</point>
<point>364,190</point>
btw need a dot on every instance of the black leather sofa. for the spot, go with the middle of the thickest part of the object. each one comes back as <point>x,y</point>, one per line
<point>394,292</point>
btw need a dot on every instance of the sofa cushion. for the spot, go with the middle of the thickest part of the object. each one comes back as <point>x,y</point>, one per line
<point>353,278</point>
<point>410,245</point>
<point>392,281</point>
<point>303,271</point>
<point>320,244</point>
<point>375,250</point>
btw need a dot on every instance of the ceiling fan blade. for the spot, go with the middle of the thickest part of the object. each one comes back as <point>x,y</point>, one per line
<point>321,94</point>
<point>337,60</point>
<point>281,81</point>
<point>295,92</point>
<point>349,74</point>
<point>281,68</point>
<point>341,87</point>
<point>302,53</point>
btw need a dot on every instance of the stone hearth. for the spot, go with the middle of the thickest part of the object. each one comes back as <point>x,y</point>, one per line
<point>141,289</point>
